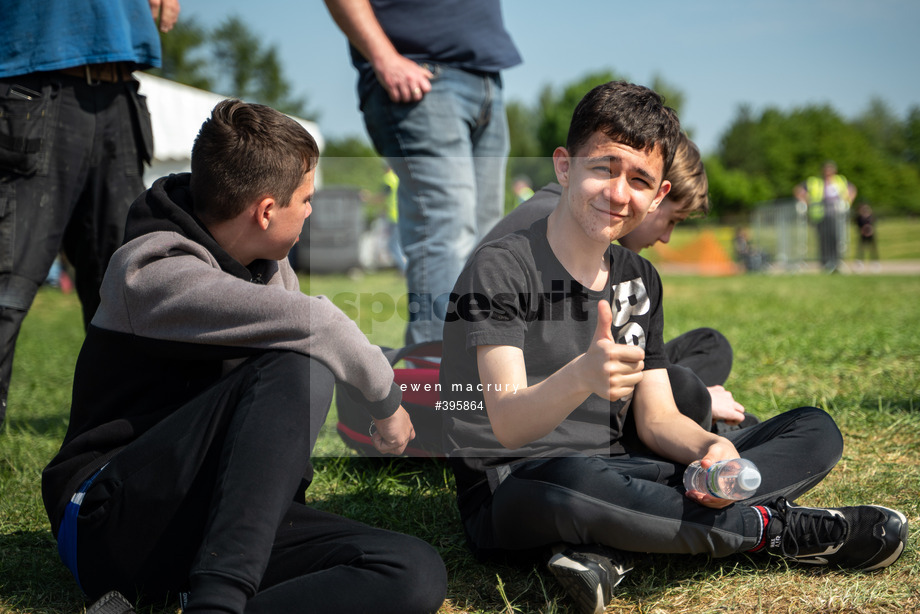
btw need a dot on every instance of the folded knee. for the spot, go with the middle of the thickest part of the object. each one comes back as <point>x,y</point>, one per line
<point>420,584</point>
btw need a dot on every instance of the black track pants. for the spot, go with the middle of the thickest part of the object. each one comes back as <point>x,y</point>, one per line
<point>204,501</point>
<point>638,503</point>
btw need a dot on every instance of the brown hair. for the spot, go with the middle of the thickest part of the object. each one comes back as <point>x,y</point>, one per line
<point>689,184</point>
<point>245,152</point>
<point>629,114</point>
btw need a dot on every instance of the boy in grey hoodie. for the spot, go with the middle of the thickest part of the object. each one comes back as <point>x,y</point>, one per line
<point>199,392</point>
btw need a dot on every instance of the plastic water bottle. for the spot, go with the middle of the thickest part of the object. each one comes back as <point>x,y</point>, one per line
<point>735,479</point>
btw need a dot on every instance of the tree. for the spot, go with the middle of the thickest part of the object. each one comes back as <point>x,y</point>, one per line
<point>351,162</point>
<point>182,55</point>
<point>882,128</point>
<point>734,190</point>
<point>912,137</point>
<point>673,97</point>
<point>231,60</point>
<point>781,148</point>
<point>255,72</point>
<point>554,109</point>
<point>524,159</point>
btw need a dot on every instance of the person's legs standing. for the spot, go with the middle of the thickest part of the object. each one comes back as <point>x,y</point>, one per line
<point>821,234</point>
<point>835,240</point>
<point>39,180</point>
<point>430,146</point>
<point>113,180</point>
<point>491,143</point>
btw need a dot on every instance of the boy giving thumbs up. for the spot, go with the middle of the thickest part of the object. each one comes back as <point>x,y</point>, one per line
<point>572,345</point>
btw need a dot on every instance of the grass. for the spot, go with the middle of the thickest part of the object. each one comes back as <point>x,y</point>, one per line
<point>848,344</point>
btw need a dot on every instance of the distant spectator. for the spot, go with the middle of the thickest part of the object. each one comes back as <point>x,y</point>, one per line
<point>391,187</point>
<point>751,258</point>
<point>865,222</point>
<point>828,198</point>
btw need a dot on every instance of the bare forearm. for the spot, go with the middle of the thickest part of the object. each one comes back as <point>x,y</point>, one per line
<point>662,427</point>
<point>357,21</point>
<point>679,439</point>
<point>527,413</point>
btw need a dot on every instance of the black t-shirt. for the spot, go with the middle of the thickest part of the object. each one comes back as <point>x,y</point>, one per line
<point>465,34</point>
<point>515,292</point>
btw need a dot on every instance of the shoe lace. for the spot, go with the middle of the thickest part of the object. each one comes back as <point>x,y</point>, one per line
<point>815,528</point>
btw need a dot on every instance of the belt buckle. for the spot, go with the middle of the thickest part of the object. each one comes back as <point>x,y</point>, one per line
<point>112,70</point>
<point>89,76</point>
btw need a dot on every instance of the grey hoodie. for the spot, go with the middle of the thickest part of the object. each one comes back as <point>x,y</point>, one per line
<point>176,310</point>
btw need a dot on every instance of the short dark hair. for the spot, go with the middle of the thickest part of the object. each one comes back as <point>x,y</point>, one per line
<point>629,114</point>
<point>245,152</point>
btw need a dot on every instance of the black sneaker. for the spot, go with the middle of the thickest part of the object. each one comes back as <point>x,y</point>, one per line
<point>865,537</point>
<point>589,573</point>
<point>111,603</point>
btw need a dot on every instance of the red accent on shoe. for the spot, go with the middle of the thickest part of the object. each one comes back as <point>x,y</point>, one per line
<point>765,517</point>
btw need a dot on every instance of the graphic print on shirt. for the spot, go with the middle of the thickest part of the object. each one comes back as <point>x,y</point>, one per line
<point>630,298</point>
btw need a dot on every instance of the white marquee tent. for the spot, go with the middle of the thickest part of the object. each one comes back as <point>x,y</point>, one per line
<point>177,112</point>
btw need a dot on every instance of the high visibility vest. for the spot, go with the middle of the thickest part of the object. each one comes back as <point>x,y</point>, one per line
<point>815,188</point>
<point>392,182</point>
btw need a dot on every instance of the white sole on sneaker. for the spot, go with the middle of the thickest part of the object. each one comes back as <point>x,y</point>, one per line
<point>902,536</point>
<point>574,578</point>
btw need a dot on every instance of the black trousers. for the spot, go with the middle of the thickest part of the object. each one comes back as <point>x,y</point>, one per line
<point>705,351</point>
<point>71,164</point>
<point>637,503</point>
<point>204,502</point>
<point>699,358</point>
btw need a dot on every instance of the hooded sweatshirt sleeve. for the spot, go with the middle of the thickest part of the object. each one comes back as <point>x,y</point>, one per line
<point>163,286</point>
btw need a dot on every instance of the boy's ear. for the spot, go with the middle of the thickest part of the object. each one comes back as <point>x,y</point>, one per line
<point>264,211</point>
<point>663,190</point>
<point>562,163</point>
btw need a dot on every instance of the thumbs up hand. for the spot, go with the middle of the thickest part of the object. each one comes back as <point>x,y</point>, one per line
<point>611,370</point>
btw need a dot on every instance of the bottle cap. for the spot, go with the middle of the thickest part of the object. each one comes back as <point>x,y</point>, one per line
<point>749,478</point>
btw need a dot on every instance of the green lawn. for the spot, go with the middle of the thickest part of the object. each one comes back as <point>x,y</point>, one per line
<point>849,344</point>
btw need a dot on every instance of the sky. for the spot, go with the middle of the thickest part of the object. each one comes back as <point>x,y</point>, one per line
<point>721,54</point>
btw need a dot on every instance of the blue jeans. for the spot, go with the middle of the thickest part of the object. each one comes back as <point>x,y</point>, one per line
<point>71,163</point>
<point>449,151</point>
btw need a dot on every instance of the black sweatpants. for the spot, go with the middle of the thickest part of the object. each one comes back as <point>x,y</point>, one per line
<point>71,192</point>
<point>699,358</point>
<point>204,502</point>
<point>705,351</point>
<point>638,504</point>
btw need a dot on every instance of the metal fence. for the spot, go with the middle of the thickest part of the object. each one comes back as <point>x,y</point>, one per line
<point>781,230</point>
